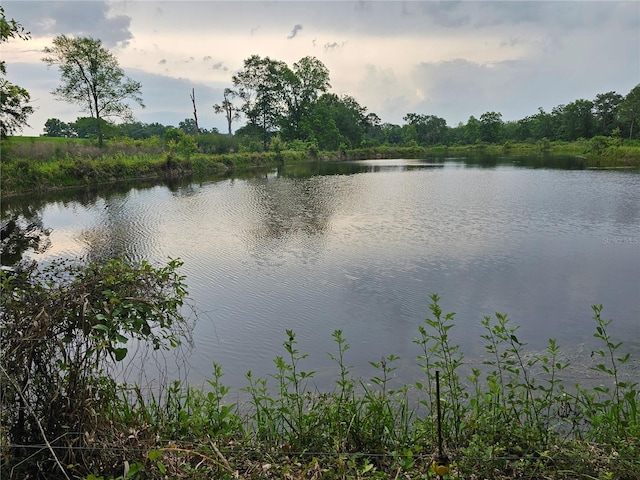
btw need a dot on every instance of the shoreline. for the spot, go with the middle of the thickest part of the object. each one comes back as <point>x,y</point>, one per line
<point>22,176</point>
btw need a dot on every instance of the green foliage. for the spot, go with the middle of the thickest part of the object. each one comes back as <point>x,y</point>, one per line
<point>512,417</point>
<point>14,100</point>
<point>92,79</point>
<point>62,327</point>
<point>54,127</point>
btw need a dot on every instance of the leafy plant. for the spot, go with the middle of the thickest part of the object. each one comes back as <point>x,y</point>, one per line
<point>63,326</point>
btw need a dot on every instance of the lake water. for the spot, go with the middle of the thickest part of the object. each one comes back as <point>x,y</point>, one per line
<point>360,246</point>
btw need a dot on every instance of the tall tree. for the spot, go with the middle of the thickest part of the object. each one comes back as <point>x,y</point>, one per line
<point>472,130</point>
<point>302,86</point>
<point>231,112</point>
<point>578,119</point>
<point>337,122</point>
<point>92,78</point>
<point>430,129</point>
<point>260,86</point>
<point>629,109</point>
<point>14,100</point>
<point>491,127</point>
<point>605,108</point>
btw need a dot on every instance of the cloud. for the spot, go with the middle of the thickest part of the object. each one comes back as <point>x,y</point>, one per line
<point>296,28</point>
<point>78,19</point>
<point>220,66</point>
<point>333,46</point>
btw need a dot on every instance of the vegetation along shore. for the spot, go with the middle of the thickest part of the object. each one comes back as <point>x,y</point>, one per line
<point>44,163</point>
<point>516,414</point>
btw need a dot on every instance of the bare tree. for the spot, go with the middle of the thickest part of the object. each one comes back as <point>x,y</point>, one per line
<point>195,114</point>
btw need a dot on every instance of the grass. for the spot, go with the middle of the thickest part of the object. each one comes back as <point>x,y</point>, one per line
<point>44,163</point>
<point>511,417</point>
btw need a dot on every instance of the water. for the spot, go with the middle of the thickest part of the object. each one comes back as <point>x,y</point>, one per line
<point>360,246</point>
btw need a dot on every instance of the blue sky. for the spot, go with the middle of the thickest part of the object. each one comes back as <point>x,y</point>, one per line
<point>451,59</point>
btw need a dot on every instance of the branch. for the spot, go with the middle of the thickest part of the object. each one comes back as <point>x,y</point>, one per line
<point>44,436</point>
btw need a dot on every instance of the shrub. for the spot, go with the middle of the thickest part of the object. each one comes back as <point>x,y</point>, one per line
<point>62,327</point>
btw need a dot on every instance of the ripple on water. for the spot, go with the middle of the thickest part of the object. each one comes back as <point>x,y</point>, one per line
<point>363,252</point>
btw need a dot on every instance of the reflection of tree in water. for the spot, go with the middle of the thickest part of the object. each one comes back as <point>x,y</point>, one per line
<point>292,214</point>
<point>22,231</point>
<point>19,235</point>
<point>118,230</point>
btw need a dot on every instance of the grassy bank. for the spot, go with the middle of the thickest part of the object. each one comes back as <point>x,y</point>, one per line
<point>43,163</point>
<point>36,164</point>
<point>516,414</point>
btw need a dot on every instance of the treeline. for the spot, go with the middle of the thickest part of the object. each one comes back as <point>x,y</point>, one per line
<point>331,123</point>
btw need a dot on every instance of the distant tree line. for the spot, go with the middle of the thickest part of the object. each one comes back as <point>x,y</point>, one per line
<point>334,123</point>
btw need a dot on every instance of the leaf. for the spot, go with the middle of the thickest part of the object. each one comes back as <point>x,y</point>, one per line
<point>162,468</point>
<point>100,326</point>
<point>153,455</point>
<point>120,353</point>
<point>133,469</point>
<point>366,468</point>
<point>624,358</point>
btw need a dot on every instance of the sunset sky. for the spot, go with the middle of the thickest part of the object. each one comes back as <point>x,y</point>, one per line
<point>451,59</point>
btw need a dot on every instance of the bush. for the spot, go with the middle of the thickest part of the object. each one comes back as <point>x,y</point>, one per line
<point>62,327</point>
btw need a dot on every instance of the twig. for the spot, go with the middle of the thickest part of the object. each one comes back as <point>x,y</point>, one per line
<point>35,417</point>
<point>221,457</point>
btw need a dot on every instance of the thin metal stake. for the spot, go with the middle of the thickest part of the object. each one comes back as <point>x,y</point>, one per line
<point>440,462</point>
<point>439,413</point>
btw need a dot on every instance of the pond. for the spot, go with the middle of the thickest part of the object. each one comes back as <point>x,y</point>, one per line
<point>360,247</point>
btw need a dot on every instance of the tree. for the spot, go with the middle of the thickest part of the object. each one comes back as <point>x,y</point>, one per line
<point>545,125</point>
<point>55,127</point>
<point>629,109</point>
<point>301,88</point>
<point>87,127</point>
<point>605,108</point>
<point>491,127</point>
<point>14,100</point>
<point>391,133</point>
<point>231,112</point>
<point>92,78</point>
<point>578,119</point>
<point>472,130</point>
<point>260,86</point>
<point>189,126</point>
<point>195,112</point>
<point>336,122</point>
<point>139,130</point>
<point>373,126</point>
<point>430,130</point>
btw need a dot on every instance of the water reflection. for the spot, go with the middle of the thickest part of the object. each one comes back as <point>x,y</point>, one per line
<point>360,245</point>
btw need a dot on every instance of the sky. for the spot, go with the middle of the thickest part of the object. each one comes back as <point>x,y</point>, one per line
<point>452,59</point>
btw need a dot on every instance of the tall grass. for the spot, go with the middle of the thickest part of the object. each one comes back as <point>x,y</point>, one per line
<point>511,417</point>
